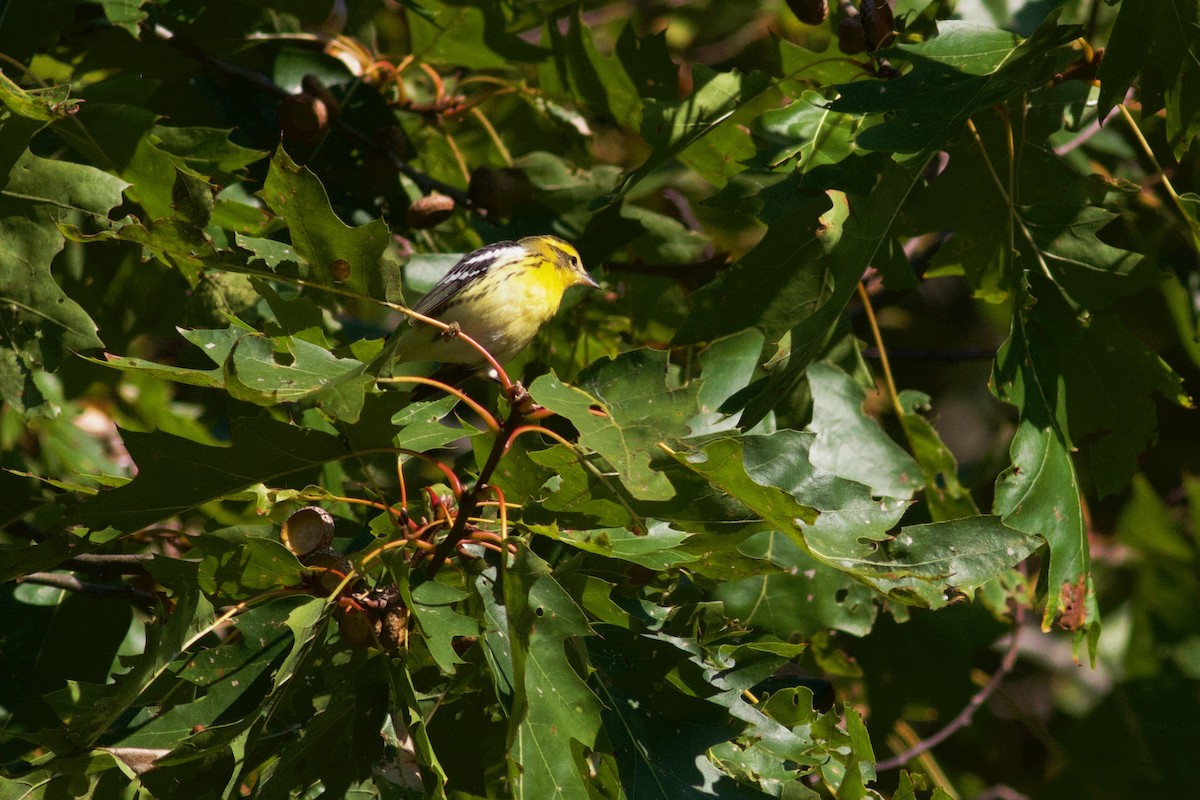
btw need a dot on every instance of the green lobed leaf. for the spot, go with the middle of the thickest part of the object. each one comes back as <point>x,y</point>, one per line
<point>578,70</point>
<point>954,75</point>
<point>439,624</point>
<point>469,36</point>
<point>726,366</point>
<point>930,565</point>
<point>569,488</point>
<point>1055,227</point>
<point>1090,271</point>
<point>44,105</point>
<point>806,597</point>
<point>176,474</point>
<point>673,127</point>
<point>657,717</point>
<point>41,322</point>
<point>228,678</point>
<point>656,549</point>
<point>1155,45</point>
<point>1040,495</point>
<point>238,564</point>
<point>720,462</point>
<point>422,427</point>
<point>849,444</point>
<point>350,724</point>
<point>552,706</point>
<point>257,372</point>
<point>776,281</point>
<point>1101,381</point>
<point>319,237</point>
<point>88,710</point>
<point>855,229</point>
<point>639,412</point>
<point>807,132</point>
<point>947,498</point>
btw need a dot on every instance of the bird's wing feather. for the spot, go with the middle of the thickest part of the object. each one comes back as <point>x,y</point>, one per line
<point>469,267</point>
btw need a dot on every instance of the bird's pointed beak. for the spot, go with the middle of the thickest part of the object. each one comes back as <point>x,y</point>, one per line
<point>588,280</point>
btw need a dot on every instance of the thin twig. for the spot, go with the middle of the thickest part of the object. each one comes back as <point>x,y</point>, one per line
<point>1000,792</point>
<point>964,717</point>
<point>72,584</point>
<point>468,502</point>
<point>1012,209</point>
<point>109,564</point>
<point>1149,151</point>
<point>883,359</point>
<point>495,136</point>
<point>487,417</point>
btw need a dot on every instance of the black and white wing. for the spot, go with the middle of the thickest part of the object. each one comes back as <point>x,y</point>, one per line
<point>468,268</point>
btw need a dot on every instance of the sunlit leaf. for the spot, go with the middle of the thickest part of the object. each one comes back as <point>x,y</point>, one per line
<point>637,412</point>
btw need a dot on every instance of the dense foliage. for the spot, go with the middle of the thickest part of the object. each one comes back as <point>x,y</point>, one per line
<point>877,436</point>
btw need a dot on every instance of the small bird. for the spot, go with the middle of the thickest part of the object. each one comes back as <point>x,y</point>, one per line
<point>499,295</point>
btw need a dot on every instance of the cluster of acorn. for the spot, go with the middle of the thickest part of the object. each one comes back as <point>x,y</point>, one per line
<point>365,618</point>
<point>866,28</point>
<point>305,117</point>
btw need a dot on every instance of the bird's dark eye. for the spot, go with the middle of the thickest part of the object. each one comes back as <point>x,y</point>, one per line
<point>574,261</point>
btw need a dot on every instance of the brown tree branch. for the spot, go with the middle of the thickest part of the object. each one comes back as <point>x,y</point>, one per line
<point>468,503</point>
<point>72,584</point>
<point>964,717</point>
<point>109,564</point>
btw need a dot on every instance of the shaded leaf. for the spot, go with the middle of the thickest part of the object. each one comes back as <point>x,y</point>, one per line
<point>237,565</point>
<point>672,127</point>
<point>955,75</point>
<point>1039,493</point>
<point>947,498</point>
<point>552,706</point>
<point>1156,45</point>
<point>175,474</point>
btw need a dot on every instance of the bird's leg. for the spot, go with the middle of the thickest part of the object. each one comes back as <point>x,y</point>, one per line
<point>521,400</point>
<point>451,332</point>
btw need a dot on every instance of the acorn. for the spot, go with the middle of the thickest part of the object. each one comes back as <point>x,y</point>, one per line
<point>810,12</point>
<point>852,36</point>
<point>311,85</point>
<point>303,118</point>
<point>499,191</point>
<point>391,628</point>
<point>429,211</point>
<point>354,626</point>
<point>878,21</point>
<point>307,530</point>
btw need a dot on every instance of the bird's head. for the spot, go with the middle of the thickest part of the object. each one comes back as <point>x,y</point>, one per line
<point>564,257</point>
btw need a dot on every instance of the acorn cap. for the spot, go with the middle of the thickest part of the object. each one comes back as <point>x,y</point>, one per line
<point>307,530</point>
<point>810,12</point>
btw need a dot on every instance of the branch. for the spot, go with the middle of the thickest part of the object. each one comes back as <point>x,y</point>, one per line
<point>73,584</point>
<point>109,564</point>
<point>967,714</point>
<point>468,503</point>
<point>426,183</point>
